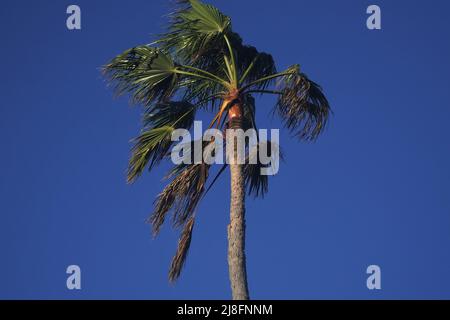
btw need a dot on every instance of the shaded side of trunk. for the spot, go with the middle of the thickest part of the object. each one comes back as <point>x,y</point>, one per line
<point>236,234</point>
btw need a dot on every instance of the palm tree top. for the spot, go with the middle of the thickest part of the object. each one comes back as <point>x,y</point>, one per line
<point>200,63</point>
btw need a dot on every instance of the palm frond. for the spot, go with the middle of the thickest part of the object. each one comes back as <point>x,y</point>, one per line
<point>249,112</point>
<point>202,61</point>
<point>216,177</point>
<point>303,106</point>
<point>181,196</point>
<point>254,65</point>
<point>184,243</point>
<point>256,183</point>
<point>203,93</point>
<point>148,145</point>
<point>194,28</point>
<point>154,142</point>
<point>146,73</point>
<point>195,37</point>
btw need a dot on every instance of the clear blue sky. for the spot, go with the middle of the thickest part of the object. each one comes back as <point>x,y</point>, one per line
<point>374,189</point>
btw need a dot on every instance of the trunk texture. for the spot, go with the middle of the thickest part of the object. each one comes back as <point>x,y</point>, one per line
<point>236,233</point>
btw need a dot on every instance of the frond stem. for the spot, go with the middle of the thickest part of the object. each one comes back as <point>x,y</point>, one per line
<point>273,76</point>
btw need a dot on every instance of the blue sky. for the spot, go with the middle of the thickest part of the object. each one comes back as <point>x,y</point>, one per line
<point>374,189</point>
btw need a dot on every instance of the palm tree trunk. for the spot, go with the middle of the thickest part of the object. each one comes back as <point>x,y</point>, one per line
<point>236,232</point>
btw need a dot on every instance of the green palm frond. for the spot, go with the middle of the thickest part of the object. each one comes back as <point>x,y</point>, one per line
<point>249,112</point>
<point>205,94</point>
<point>154,142</point>
<point>180,114</point>
<point>303,106</point>
<point>194,29</point>
<point>181,196</point>
<point>147,73</point>
<point>201,36</point>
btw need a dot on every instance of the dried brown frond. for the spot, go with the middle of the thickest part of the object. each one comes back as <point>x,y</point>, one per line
<point>303,107</point>
<point>182,250</point>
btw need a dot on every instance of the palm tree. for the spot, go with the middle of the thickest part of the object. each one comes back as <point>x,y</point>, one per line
<point>201,64</point>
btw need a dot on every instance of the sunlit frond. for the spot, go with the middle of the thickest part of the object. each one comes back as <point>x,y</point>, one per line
<point>194,29</point>
<point>256,183</point>
<point>181,196</point>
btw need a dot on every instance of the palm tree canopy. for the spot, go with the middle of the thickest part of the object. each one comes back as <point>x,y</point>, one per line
<point>200,63</point>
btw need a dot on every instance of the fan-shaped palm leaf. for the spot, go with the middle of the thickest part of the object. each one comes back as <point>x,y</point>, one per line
<point>147,73</point>
<point>254,65</point>
<point>201,61</point>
